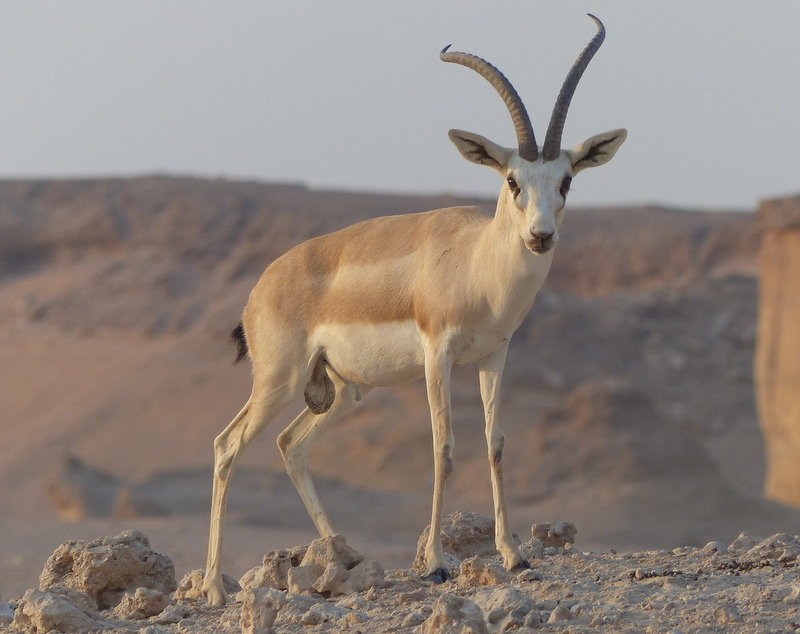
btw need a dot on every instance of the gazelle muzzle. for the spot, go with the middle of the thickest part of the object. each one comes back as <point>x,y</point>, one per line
<point>541,242</point>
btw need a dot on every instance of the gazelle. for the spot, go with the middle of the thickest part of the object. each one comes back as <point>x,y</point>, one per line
<point>393,299</point>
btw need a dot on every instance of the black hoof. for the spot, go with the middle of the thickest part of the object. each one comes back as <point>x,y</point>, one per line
<point>440,575</point>
<point>523,564</point>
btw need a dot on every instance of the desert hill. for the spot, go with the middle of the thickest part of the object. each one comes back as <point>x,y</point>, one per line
<point>629,398</point>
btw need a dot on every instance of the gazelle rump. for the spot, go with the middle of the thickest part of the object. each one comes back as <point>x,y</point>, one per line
<point>398,298</point>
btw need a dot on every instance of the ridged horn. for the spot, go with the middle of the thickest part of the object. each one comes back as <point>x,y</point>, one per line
<point>522,122</point>
<point>552,141</point>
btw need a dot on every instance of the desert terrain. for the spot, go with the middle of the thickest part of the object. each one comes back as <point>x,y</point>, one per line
<point>629,402</point>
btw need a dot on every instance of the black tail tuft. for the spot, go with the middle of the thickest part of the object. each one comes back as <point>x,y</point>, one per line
<point>240,339</point>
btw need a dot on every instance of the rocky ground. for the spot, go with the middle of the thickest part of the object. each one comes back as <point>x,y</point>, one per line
<point>120,585</point>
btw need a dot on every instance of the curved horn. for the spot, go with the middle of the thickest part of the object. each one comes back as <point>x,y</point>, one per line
<point>522,122</point>
<point>552,141</point>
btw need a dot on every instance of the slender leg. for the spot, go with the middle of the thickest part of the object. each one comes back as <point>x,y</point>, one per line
<point>228,446</point>
<point>438,364</point>
<point>491,373</point>
<point>295,442</point>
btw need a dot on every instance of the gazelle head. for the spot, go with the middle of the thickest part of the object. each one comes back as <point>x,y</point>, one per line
<point>536,181</point>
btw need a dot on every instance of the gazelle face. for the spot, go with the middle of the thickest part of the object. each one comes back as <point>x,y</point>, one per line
<point>535,191</point>
<point>535,195</point>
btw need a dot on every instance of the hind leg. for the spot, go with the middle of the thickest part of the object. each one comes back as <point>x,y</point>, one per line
<point>296,440</point>
<point>228,446</point>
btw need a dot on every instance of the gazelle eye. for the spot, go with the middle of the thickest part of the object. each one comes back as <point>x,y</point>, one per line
<point>565,186</point>
<point>512,185</point>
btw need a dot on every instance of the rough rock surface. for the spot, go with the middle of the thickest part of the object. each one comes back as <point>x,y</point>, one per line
<point>328,566</point>
<point>331,568</point>
<point>451,614</point>
<point>777,359</point>
<point>475,571</point>
<point>191,585</point>
<point>505,607</point>
<point>463,534</point>
<point>141,604</point>
<point>107,568</point>
<point>274,569</point>
<point>554,534</point>
<point>260,608</point>
<point>57,609</point>
<point>749,586</point>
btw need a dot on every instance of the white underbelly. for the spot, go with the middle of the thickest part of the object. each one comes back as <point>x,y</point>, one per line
<point>376,355</point>
<point>380,355</point>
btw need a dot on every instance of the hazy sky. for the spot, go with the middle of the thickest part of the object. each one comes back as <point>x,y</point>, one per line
<point>352,95</point>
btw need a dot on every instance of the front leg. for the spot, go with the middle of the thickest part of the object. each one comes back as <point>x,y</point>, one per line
<point>491,373</point>
<point>438,363</point>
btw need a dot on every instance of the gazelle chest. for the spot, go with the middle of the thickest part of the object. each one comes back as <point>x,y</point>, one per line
<point>471,345</point>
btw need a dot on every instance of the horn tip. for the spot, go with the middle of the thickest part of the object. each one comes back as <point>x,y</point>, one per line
<point>444,50</point>
<point>597,22</point>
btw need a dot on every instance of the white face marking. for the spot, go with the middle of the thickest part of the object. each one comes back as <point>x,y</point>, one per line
<point>539,203</point>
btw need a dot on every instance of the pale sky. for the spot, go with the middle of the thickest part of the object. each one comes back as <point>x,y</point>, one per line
<point>352,95</point>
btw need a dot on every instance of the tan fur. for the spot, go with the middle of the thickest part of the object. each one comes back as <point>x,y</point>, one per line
<point>304,286</point>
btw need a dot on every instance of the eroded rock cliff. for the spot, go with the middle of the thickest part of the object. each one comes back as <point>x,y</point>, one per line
<point>777,359</point>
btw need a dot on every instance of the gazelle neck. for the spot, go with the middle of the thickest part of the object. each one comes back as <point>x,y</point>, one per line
<point>513,257</point>
<point>510,274</point>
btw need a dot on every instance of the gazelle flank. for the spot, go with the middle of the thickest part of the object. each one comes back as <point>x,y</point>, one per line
<point>399,298</point>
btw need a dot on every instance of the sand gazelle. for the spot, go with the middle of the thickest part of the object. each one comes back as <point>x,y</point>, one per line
<point>396,298</point>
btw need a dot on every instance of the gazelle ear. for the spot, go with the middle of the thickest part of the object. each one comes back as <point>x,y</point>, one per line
<point>480,150</point>
<point>598,150</point>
